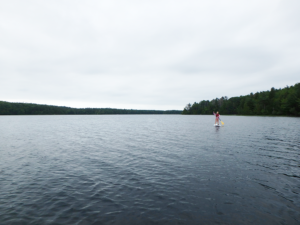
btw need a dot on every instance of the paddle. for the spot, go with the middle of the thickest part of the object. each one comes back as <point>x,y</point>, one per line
<point>221,122</point>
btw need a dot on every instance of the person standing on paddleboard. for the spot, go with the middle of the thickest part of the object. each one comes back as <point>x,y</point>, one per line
<point>217,117</point>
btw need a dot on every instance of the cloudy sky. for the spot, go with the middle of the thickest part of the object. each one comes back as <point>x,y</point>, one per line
<point>145,54</point>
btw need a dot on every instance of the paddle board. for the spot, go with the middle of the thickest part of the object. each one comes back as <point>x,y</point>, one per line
<point>216,125</point>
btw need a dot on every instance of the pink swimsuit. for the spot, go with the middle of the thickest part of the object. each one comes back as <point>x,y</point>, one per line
<point>217,115</point>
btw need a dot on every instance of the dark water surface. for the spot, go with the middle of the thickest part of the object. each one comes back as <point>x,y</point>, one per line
<point>149,169</point>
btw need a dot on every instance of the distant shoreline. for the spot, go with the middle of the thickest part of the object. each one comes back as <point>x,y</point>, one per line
<point>132,114</point>
<point>146,114</point>
<point>274,102</point>
<point>12,108</point>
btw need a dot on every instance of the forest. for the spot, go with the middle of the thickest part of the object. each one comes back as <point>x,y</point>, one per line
<point>9,108</point>
<point>279,102</point>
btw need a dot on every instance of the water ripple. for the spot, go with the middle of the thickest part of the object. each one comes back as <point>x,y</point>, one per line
<point>149,169</point>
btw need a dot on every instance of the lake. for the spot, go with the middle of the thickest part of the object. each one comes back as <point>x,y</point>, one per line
<point>149,169</point>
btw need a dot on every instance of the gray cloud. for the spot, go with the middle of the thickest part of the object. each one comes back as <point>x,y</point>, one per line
<point>235,61</point>
<point>153,55</point>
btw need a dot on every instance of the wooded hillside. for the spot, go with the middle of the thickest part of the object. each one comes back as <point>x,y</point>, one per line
<point>284,101</point>
<point>8,108</point>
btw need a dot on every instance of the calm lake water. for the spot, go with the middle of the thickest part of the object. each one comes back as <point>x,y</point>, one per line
<point>149,169</point>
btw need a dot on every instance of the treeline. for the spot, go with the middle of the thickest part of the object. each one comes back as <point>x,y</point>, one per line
<point>284,101</point>
<point>8,108</point>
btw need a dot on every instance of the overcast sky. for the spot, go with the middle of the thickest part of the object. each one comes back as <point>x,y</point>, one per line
<point>145,54</point>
